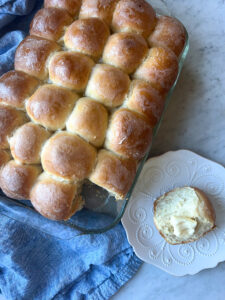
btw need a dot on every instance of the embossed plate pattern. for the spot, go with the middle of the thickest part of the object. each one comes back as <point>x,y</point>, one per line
<point>159,175</point>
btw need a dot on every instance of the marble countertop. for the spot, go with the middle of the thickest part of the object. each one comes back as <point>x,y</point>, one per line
<point>195,120</point>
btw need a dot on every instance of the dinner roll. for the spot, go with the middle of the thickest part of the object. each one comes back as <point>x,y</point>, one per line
<point>134,16</point>
<point>102,9</point>
<point>125,50</point>
<point>10,119</point>
<point>55,199</point>
<point>146,100</point>
<point>183,215</point>
<point>113,173</point>
<point>169,32</point>
<point>72,6</point>
<point>89,119</point>
<point>70,69</point>
<point>129,134</point>
<point>50,106</point>
<point>87,36</point>
<point>26,143</point>
<point>49,23</point>
<point>160,69</point>
<point>32,55</point>
<point>15,87</point>
<point>108,85</point>
<point>68,156</point>
<point>4,158</point>
<point>16,180</point>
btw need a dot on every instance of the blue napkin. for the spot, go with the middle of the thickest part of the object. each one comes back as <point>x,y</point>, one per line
<point>48,260</point>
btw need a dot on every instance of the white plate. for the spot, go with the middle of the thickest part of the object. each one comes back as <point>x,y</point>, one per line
<point>159,175</point>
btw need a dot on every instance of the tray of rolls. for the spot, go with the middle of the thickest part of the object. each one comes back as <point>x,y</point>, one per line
<point>79,112</point>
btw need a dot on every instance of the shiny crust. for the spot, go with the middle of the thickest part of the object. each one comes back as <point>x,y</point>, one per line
<point>10,119</point>
<point>160,69</point>
<point>49,23</point>
<point>134,16</point>
<point>68,156</point>
<point>129,134</point>
<point>71,70</point>
<point>125,50</point>
<point>102,9</point>
<point>207,210</point>
<point>32,55</point>
<point>17,180</point>
<point>72,6</point>
<point>56,200</point>
<point>146,100</point>
<point>15,87</point>
<point>89,119</point>
<point>113,173</point>
<point>26,143</point>
<point>4,158</point>
<point>87,36</point>
<point>60,57</point>
<point>169,32</point>
<point>50,106</point>
<point>108,85</point>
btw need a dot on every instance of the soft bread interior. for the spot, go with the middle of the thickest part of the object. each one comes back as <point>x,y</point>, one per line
<point>183,215</point>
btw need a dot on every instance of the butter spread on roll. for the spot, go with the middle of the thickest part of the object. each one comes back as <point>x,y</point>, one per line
<point>183,215</point>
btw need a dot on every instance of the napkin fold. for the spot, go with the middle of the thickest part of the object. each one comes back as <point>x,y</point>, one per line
<point>41,259</point>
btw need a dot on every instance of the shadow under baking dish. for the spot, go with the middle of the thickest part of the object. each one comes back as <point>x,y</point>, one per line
<point>101,213</point>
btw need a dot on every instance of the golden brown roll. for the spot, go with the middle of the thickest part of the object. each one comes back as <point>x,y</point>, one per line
<point>10,119</point>
<point>72,6</point>
<point>54,199</point>
<point>68,156</point>
<point>87,36</point>
<point>32,55</point>
<point>4,158</point>
<point>16,180</point>
<point>160,69</point>
<point>146,100</point>
<point>71,70</point>
<point>50,23</point>
<point>102,9</point>
<point>169,32</point>
<point>184,215</point>
<point>50,106</point>
<point>89,119</point>
<point>125,50</point>
<point>129,134</point>
<point>134,16</point>
<point>108,85</point>
<point>15,87</point>
<point>113,173</point>
<point>26,143</point>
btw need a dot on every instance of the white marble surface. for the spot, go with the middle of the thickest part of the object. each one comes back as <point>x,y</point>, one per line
<point>195,120</point>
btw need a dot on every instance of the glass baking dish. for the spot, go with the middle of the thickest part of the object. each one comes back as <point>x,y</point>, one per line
<point>99,203</point>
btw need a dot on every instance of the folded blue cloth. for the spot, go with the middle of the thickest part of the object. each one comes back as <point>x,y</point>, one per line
<point>54,261</point>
